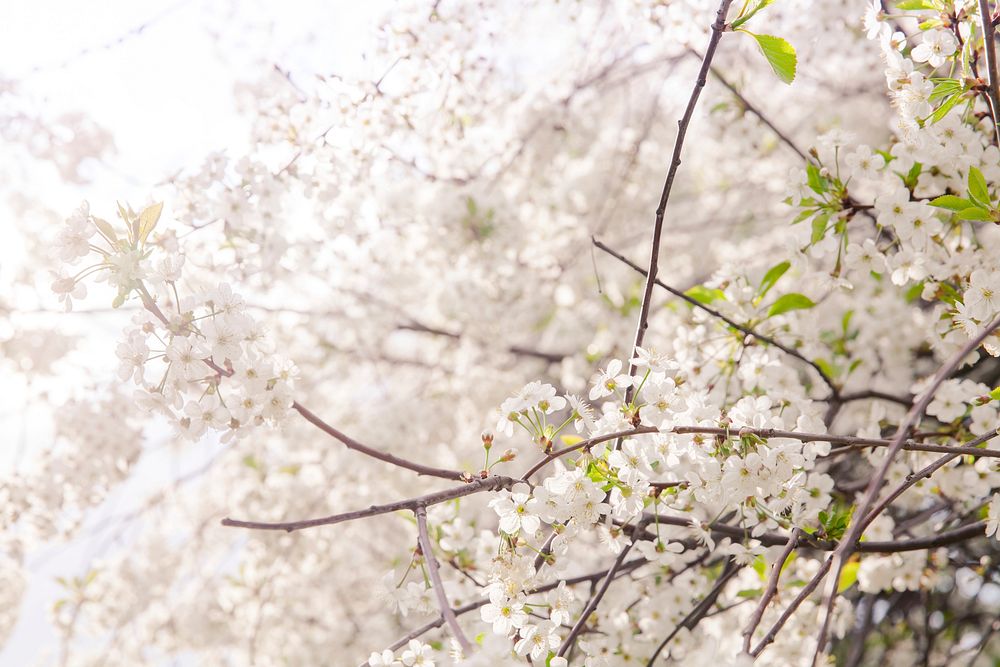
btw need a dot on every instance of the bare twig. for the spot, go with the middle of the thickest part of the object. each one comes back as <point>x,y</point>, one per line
<point>392,459</point>
<point>700,609</point>
<point>675,162</point>
<point>472,606</point>
<point>772,588</point>
<point>993,85</point>
<point>856,528</point>
<point>716,314</point>
<point>476,486</point>
<point>598,595</point>
<point>150,304</point>
<point>432,566</point>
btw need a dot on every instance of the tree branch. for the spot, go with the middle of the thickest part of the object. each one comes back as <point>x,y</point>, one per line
<point>675,162</point>
<point>834,390</point>
<point>494,483</point>
<point>993,84</point>
<point>856,528</point>
<point>432,565</point>
<point>598,596</point>
<point>772,588</point>
<point>700,609</point>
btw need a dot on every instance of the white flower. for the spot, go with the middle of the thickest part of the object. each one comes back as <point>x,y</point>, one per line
<point>503,613</point>
<point>610,380</point>
<point>417,653</point>
<point>186,357</point>
<point>517,511</point>
<point>655,361</point>
<point>383,659</point>
<point>863,163</point>
<point>222,338</point>
<point>993,517</point>
<point>68,289</point>
<point>133,353</point>
<point>537,640</point>
<point>936,47</point>
<point>982,298</point>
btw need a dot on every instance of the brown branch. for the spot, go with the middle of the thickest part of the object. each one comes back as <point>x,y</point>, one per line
<point>834,390</point>
<point>799,599</point>
<point>989,47</point>
<point>472,606</point>
<point>772,588</point>
<point>675,162</point>
<point>392,459</point>
<point>598,596</point>
<point>785,139</point>
<point>586,443</point>
<point>494,483</point>
<point>150,304</point>
<point>845,440</point>
<point>856,529</point>
<point>700,610</point>
<point>432,566</point>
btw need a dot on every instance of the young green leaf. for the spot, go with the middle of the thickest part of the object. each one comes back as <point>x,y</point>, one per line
<point>978,190</point>
<point>848,575</point>
<point>779,53</point>
<point>974,213</point>
<point>702,294</point>
<point>952,203</point>
<point>917,4</point>
<point>772,276</point>
<point>789,302</point>
<point>748,14</point>
<point>819,224</point>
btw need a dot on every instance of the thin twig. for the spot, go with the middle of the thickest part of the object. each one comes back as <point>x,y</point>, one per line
<point>472,606</point>
<point>993,85</point>
<point>856,529</point>
<point>700,610</point>
<point>675,162</point>
<point>772,588</point>
<point>834,390</point>
<point>386,457</point>
<point>597,597</point>
<point>494,483</point>
<point>432,566</point>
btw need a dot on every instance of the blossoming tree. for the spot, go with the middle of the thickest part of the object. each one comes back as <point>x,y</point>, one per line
<point>480,387</point>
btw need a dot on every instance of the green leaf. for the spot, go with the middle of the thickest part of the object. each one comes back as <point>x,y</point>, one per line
<point>916,4</point>
<point>910,180</point>
<point>106,229</point>
<point>947,106</point>
<point>848,575</point>
<point>703,294</point>
<point>995,394</point>
<point>750,593</point>
<point>789,302</point>
<point>945,87</point>
<point>569,440</point>
<point>744,17</point>
<point>951,202</point>
<point>148,219</point>
<point>816,182</point>
<point>819,224</point>
<point>803,215</point>
<point>978,190</point>
<point>974,213</point>
<point>772,276</point>
<point>779,53</point>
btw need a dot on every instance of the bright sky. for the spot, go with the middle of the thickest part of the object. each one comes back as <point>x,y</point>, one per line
<point>160,76</point>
